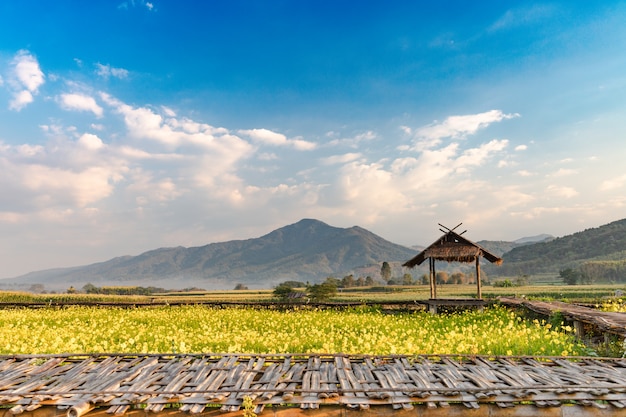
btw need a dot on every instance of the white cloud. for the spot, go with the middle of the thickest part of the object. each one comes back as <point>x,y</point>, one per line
<point>457,127</point>
<point>20,100</point>
<point>302,145</point>
<point>521,148</point>
<point>91,142</point>
<point>340,159</point>
<point>265,136</point>
<point>38,182</point>
<point>26,78</point>
<point>352,142</point>
<point>168,111</point>
<point>137,3</point>
<point>564,172</point>
<point>80,102</point>
<point>106,71</point>
<point>268,137</point>
<point>477,156</point>
<point>522,16</point>
<point>561,191</point>
<point>27,71</point>
<point>613,183</point>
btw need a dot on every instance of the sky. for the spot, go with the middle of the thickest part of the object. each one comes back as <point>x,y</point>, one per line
<point>127,126</point>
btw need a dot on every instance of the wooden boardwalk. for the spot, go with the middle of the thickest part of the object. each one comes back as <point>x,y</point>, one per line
<point>608,322</point>
<point>119,384</point>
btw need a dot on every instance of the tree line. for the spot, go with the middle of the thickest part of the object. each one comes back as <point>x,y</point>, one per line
<point>592,272</point>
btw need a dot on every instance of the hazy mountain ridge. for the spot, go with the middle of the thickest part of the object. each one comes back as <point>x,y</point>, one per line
<point>308,250</point>
<point>500,247</point>
<point>311,250</point>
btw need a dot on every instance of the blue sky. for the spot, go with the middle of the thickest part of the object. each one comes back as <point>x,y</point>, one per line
<point>132,125</point>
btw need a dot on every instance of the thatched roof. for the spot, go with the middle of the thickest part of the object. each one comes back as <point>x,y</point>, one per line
<point>452,247</point>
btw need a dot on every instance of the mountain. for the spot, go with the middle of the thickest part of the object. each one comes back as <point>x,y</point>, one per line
<point>308,250</point>
<point>606,243</point>
<point>500,247</point>
<point>533,239</point>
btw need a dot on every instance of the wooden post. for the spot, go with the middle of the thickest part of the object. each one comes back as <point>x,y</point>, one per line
<point>478,287</point>
<point>579,329</point>
<point>433,280</point>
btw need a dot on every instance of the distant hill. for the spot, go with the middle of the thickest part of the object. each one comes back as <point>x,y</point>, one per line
<point>604,243</point>
<point>533,239</point>
<point>500,247</point>
<point>308,250</point>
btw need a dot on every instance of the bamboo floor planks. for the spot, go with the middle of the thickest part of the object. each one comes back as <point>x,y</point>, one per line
<point>193,384</point>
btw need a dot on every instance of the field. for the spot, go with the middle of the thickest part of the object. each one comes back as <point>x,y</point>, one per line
<point>592,294</point>
<point>191,328</point>
<point>195,329</point>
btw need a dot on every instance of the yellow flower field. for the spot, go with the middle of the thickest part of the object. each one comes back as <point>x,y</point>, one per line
<point>195,329</point>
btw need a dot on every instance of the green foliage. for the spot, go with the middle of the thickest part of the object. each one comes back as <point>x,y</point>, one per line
<point>323,291</point>
<point>348,281</point>
<point>121,290</point>
<point>441,277</point>
<point>586,247</point>
<point>570,276</point>
<point>407,279</point>
<point>504,283</point>
<point>283,291</point>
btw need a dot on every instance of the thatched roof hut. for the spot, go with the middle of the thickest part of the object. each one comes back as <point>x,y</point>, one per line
<point>452,247</point>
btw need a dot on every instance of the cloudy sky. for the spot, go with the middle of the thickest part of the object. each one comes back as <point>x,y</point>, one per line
<point>131,125</point>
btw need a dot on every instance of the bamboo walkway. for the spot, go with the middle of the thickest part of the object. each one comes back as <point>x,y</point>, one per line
<point>119,384</point>
<point>608,322</point>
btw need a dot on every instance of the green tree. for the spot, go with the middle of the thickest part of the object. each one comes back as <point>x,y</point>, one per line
<point>407,279</point>
<point>283,291</point>
<point>385,271</point>
<point>239,287</point>
<point>457,278</point>
<point>348,281</point>
<point>323,291</point>
<point>89,288</point>
<point>570,276</point>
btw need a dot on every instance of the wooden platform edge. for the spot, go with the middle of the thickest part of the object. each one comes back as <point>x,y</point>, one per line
<point>454,410</point>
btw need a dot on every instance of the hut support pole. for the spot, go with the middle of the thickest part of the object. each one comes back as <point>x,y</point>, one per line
<point>479,289</point>
<point>433,284</point>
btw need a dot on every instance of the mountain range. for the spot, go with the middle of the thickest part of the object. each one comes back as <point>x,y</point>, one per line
<point>310,251</point>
